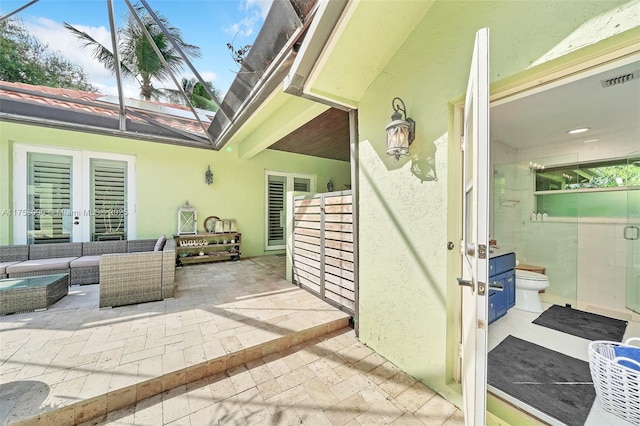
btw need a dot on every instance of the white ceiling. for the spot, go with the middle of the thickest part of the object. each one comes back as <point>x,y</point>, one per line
<point>546,116</point>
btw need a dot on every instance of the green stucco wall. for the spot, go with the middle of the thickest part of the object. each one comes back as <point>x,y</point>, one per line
<point>406,293</point>
<point>168,175</point>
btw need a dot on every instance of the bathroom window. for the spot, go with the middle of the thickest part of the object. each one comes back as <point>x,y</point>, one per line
<point>597,189</point>
<point>607,174</point>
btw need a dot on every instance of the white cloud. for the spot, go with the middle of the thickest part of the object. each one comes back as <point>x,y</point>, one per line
<point>245,27</point>
<point>255,12</point>
<point>263,5</point>
<point>129,90</point>
<point>71,48</point>
<point>209,76</point>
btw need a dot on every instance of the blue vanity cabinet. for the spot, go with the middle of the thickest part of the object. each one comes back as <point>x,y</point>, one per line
<point>510,285</point>
<point>501,274</point>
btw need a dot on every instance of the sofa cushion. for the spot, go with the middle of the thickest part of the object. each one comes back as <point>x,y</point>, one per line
<point>160,243</point>
<point>3,266</point>
<point>85,261</point>
<point>40,265</point>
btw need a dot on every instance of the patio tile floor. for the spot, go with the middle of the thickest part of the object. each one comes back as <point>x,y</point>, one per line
<point>304,384</point>
<point>237,345</point>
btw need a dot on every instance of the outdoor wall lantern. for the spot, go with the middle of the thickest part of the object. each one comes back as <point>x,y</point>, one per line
<point>208,176</point>
<point>400,132</point>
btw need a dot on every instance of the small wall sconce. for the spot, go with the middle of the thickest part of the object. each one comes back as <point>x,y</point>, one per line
<point>400,132</point>
<point>208,176</point>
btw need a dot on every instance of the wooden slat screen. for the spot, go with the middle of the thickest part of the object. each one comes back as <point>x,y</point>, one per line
<point>323,250</point>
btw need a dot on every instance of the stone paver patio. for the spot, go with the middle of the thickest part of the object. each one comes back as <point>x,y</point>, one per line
<point>237,345</point>
<point>331,380</point>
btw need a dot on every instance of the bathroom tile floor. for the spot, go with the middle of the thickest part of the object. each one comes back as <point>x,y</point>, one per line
<point>519,324</point>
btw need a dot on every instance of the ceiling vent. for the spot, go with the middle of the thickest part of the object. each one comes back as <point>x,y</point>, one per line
<point>620,79</point>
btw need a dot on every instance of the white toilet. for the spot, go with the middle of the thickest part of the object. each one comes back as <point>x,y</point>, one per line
<point>528,284</point>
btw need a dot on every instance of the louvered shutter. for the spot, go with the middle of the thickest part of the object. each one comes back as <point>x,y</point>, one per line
<point>275,215</point>
<point>49,198</point>
<point>108,199</point>
<point>301,184</point>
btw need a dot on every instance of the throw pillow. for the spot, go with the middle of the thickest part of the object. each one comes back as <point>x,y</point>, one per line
<point>160,243</point>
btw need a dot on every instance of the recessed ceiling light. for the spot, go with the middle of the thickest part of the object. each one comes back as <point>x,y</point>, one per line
<point>591,140</point>
<point>578,130</point>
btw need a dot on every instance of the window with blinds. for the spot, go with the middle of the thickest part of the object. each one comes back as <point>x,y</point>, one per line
<point>277,186</point>
<point>49,198</point>
<point>108,199</point>
<point>301,184</point>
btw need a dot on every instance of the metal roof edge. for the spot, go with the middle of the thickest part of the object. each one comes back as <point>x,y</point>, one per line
<point>115,132</point>
<point>329,14</point>
<point>221,131</point>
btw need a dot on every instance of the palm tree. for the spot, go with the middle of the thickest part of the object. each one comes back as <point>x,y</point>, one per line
<point>137,56</point>
<point>196,93</point>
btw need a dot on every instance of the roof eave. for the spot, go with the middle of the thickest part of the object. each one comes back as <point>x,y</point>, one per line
<point>107,127</point>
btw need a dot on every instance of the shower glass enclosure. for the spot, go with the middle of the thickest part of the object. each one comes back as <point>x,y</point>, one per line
<point>632,234</point>
<point>523,189</point>
<point>591,234</point>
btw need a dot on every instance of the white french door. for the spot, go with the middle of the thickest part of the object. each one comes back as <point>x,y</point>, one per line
<point>63,195</point>
<point>475,234</point>
<point>277,186</point>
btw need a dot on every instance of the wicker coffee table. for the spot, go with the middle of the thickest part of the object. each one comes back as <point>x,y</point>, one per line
<point>32,293</point>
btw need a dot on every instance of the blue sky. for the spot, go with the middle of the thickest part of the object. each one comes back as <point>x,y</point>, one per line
<point>209,24</point>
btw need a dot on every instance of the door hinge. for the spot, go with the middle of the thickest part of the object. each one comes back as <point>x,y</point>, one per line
<point>459,350</point>
<point>462,143</point>
<point>482,287</point>
<point>482,251</point>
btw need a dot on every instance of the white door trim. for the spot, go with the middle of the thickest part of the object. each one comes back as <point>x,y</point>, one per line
<point>80,195</point>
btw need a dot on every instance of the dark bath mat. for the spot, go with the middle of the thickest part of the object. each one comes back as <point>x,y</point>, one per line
<point>582,324</point>
<point>554,383</point>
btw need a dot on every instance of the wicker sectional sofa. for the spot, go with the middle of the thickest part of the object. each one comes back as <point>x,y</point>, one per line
<point>128,271</point>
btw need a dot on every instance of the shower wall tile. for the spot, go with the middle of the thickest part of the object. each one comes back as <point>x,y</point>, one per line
<point>627,141</point>
<point>501,153</point>
<point>587,260</point>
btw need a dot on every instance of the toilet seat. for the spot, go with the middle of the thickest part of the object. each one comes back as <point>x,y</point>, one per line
<point>531,276</point>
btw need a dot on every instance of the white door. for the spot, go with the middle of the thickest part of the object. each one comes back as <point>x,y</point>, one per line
<point>278,184</point>
<point>47,195</point>
<point>475,234</point>
<point>63,195</point>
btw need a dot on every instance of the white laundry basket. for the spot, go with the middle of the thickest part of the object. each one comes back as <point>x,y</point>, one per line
<point>617,386</point>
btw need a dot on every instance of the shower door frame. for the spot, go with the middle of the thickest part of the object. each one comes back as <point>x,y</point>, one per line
<point>631,234</point>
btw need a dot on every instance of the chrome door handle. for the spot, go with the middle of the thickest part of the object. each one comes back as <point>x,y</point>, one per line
<point>497,286</point>
<point>631,233</point>
<point>466,283</point>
